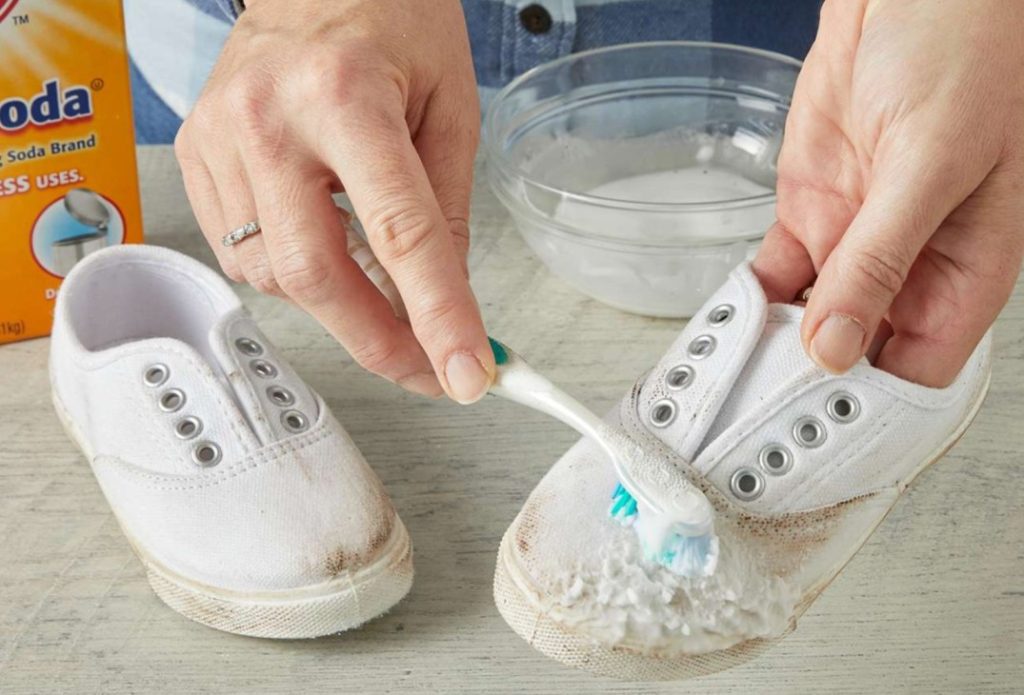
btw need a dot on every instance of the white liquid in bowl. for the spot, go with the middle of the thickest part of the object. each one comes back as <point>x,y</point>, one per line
<point>646,273</point>
<point>643,174</point>
<point>696,184</point>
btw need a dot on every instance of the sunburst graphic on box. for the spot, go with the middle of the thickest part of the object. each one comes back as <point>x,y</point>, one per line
<point>56,33</point>
<point>6,7</point>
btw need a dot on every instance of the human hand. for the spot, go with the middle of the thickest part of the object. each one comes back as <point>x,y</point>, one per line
<point>901,183</point>
<point>374,97</point>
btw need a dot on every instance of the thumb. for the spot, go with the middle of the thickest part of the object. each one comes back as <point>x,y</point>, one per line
<point>905,204</point>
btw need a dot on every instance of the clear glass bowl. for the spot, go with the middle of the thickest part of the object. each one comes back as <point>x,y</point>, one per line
<point>643,173</point>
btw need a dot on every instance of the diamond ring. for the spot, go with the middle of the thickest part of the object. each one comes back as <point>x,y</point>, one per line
<point>242,233</point>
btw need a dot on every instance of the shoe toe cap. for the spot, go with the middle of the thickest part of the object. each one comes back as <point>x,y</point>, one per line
<point>285,518</point>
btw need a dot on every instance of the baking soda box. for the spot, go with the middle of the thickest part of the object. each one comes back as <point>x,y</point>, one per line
<point>68,183</point>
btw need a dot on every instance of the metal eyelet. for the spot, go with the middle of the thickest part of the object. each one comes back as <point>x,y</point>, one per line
<point>843,407</point>
<point>721,315</point>
<point>248,346</point>
<point>746,484</point>
<point>281,396</point>
<point>701,346</point>
<point>172,400</point>
<point>809,432</point>
<point>206,454</point>
<point>188,427</point>
<point>775,459</point>
<point>663,412</point>
<point>156,375</point>
<point>294,421</point>
<point>678,378</point>
<point>263,369</point>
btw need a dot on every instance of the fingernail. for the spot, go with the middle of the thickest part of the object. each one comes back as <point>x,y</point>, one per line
<point>424,384</point>
<point>467,378</point>
<point>838,344</point>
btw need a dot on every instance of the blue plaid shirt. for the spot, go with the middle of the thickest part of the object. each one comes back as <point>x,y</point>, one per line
<point>508,37</point>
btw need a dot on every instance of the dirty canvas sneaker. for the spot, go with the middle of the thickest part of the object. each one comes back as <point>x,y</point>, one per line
<point>800,465</point>
<point>249,505</point>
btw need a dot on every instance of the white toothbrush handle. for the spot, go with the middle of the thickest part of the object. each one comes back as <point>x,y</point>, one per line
<point>522,385</point>
<point>517,381</point>
<point>362,254</point>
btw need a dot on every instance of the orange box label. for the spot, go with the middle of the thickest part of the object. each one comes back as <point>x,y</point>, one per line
<point>68,181</point>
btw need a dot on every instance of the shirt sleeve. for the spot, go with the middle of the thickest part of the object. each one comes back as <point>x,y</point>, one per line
<point>231,9</point>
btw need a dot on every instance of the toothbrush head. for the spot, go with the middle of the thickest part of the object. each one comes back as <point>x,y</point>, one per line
<point>689,556</point>
<point>683,542</point>
<point>624,506</point>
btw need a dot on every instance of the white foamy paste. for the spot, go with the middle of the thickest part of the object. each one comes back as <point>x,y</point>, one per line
<point>621,597</point>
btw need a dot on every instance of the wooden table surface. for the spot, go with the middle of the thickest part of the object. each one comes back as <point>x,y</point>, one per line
<point>933,603</point>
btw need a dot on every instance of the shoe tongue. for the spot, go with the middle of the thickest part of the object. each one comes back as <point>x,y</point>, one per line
<point>249,369</point>
<point>776,361</point>
<point>753,352</point>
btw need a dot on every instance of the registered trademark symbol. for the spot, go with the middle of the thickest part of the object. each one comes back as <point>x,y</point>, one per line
<point>96,84</point>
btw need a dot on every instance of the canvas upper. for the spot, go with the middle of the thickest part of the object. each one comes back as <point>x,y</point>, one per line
<point>219,462</point>
<point>800,464</point>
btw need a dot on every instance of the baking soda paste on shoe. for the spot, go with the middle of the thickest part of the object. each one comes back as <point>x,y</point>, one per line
<point>800,466</point>
<point>248,504</point>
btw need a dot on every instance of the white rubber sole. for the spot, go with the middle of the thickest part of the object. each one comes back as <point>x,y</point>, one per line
<point>336,606</point>
<point>312,611</point>
<point>521,604</point>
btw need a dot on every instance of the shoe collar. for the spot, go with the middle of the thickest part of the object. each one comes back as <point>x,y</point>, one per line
<point>134,299</point>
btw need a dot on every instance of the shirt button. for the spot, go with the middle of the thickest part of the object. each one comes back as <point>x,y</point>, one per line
<point>535,19</point>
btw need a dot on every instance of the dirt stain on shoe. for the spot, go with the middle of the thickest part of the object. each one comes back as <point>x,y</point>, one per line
<point>526,530</point>
<point>341,559</point>
<point>336,562</point>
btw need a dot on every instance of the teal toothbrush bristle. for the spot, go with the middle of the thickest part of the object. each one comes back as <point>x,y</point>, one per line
<point>623,507</point>
<point>688,556</point>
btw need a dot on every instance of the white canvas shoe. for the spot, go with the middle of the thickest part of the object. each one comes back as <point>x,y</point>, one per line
<point>249,505</point>
<point>800,465</point>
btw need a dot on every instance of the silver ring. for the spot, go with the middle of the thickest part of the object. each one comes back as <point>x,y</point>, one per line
<point>242,233</point>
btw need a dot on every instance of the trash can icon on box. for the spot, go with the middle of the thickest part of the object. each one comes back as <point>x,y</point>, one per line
<point>80,223</point>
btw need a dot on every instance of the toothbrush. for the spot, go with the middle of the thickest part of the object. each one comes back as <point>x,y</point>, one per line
<point>362,254</point>
<point>672,518</point>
